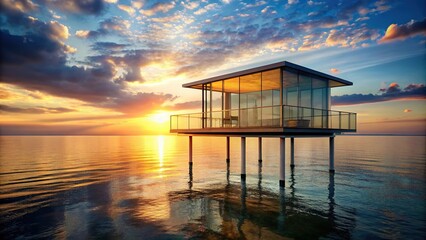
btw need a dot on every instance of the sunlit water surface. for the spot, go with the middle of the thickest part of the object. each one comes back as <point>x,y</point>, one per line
<point>141,187</point>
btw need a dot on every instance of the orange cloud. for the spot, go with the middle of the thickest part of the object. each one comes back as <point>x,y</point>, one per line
<point>404,31</point>
<point>407,110</point>
<point>334,71</point>
<point>4,94</point>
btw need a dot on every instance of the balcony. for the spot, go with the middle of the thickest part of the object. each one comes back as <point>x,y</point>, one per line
<point>276,119</point>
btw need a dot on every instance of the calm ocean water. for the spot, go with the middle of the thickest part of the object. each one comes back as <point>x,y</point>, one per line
<point>141,188</point>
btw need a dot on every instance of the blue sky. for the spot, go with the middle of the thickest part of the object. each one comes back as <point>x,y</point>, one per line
<point>102,67</point>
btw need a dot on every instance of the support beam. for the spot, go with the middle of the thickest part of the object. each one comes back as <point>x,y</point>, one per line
<point>282,161</point>
<point>228,144</point>
<point>190,177</point>
<point>260,149</point>
<point>292,152</point>
<point>190,150</point>
<point>243,158</point>
<point>332,154</point>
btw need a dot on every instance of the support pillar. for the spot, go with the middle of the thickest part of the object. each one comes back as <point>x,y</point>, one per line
<point>292,152</point>
<point>282,161</point>
<point>260,149</point>
<point>228,144</point>
<point>190,150</point>
<point>243,158</point>
<point>332,154</point>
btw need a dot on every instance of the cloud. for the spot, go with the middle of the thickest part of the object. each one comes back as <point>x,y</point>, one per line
<point>350,37</point>
<point>407,110</point>
<point>36,62</point>
<point>23,6</point>
<point>137,4</point>
<point>185,105</point>
<point>267,9</point>
<point>134,105</point>
<point>34,110</point>
<point>191,5</point>
<point>131,11</point>
<point>92,7</point>
<point>4,94</point>
<point>404,31</point>
<point>207,8</point>
<point>334,71</point>
<point>108,47</point>
<point>158,7</point>
<point>393,92</point>
<point>336,38</point>
<point>256,4</point>
<point>113,25</point>
<point>311,3</point>
<point>291,2</point>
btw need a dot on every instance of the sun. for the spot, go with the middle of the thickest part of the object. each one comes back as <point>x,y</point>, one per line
<point>160,117</point>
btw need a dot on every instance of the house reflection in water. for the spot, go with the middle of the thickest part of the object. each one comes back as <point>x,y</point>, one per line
<point>238,211</point>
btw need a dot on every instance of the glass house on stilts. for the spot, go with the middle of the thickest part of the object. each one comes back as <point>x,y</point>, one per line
<point>282,100</point>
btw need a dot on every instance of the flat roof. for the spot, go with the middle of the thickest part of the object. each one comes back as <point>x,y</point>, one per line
<point>336,82</point>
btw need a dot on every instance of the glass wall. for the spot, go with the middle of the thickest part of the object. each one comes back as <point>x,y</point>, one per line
<point>310,97</point>
<point>251,100</point>
<point>255,100</point>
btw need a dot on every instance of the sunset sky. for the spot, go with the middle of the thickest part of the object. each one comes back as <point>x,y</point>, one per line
<point>116,67</point>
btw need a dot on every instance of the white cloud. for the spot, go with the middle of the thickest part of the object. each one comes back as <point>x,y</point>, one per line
<point>82,33</point>
<point>128,9</point>
<point>158,7</point>
<point>207,8</point>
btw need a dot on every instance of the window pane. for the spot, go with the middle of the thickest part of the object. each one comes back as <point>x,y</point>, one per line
<point>290,87</point>
<point>216,101</point>
<point>305,84</point>
<point>267,98</point>
<point>292,97</point>
<point>271,79</point>
<point>319,93</point>
<point>235,103</point>
<point>250,83</point>
<point>276,97</point>
<point>231,85</point>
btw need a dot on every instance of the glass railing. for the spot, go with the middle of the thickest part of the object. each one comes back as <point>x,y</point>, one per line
<point>293,117</point>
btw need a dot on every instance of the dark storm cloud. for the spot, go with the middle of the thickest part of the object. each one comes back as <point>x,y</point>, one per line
<point>393,92</point>
<point>37,62</point>
<point>34,110</point>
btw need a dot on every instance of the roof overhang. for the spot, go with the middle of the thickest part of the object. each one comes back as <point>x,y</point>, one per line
<point>334,81</point>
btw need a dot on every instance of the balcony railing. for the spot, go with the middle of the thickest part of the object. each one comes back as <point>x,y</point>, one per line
<point>266,117</point>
